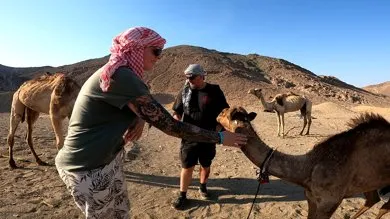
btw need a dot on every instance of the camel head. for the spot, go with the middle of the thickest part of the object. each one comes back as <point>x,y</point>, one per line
<point>268,106</point>
<point>238,120</point>
<point>235,118</point>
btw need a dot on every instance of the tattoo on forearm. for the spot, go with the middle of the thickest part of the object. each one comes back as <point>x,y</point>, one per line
<point>152,112</point>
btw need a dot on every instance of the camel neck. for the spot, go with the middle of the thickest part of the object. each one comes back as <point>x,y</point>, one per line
<point>266,105</point>
<point>292,168</point>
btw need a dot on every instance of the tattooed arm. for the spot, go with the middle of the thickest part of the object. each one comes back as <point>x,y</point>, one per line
<point>152,112</point>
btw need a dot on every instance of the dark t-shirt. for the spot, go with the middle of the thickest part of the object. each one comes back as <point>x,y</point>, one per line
<point>99,120</point>
<point>204,107</point>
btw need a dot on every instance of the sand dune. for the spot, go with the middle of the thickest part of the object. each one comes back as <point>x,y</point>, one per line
<point>331,108</point>
<point>372,109</point>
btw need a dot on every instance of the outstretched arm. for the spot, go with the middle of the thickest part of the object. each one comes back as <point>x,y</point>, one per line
<point>176,116</point>
<point>152,112</point>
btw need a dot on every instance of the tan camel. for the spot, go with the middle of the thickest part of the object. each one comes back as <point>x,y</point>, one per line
<point>51,94</point>
<point>352,162</point>
<point>284,103</point>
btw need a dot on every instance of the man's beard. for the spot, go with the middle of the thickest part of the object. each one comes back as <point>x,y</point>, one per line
<point>193,86</point>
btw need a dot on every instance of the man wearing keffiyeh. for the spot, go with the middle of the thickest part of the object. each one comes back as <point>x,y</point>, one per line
<point>110,110</point>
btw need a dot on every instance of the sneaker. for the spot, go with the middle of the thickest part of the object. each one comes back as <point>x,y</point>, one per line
<point>180,203</point>
<point>204,194</point>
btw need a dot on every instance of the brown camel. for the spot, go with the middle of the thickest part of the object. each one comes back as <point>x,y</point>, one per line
<point>284,103</point>
<point>50,94</point>
<point>352,162</point>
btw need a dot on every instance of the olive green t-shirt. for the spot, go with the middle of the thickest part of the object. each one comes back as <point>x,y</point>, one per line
<point>99,120</point>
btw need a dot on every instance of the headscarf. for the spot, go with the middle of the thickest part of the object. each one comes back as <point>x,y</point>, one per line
<point>127,49</point>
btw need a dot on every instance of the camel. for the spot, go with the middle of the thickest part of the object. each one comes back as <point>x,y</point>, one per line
<point>50,94</point>
<point>352,162</point>
<point>284,103</point>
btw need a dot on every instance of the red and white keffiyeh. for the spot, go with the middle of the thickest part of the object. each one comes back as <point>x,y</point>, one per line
<point>127,50</point>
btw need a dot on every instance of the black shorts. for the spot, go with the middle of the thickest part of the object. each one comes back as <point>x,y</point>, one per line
<point>191,154</point>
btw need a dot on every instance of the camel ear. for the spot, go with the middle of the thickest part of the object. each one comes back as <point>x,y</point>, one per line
<point>252,116</point>
<point>224,122</point>
<point>224,118</point>
<point>222,114</point>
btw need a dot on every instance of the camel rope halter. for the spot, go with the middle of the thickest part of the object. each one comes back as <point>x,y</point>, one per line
<point>262,175</point>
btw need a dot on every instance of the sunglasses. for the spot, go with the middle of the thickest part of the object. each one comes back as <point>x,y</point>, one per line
<point>157,51</point>
<point>192,77</point>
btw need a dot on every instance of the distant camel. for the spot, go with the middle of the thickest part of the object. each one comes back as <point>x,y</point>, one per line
<point>51,94</point>
<point>284,103</point>
<point>352,162</point>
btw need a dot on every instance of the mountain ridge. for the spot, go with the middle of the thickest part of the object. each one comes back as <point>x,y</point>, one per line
<point>235,74</point>
<point>381,88</point>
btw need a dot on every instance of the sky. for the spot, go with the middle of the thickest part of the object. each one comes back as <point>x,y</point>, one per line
<point>347,39</point>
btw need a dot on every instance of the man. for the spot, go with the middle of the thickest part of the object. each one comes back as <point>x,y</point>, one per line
<point>198,103</point>
<point>110,110</point>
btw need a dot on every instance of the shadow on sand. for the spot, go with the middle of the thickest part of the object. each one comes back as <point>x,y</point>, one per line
<point>227,190</point>
<point>297,135</point>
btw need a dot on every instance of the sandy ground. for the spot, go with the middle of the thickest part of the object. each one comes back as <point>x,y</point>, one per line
<point>152,172</point>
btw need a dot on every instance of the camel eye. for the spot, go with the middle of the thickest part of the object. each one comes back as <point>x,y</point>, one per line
<point>239,116</point>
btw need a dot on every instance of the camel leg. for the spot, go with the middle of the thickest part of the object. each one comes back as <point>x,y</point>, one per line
<point>322,206</point>
<point>372,198</point>
<point>326,209</point>
<point>304,124</point>
<point>56,122</point>
<point>16,116</point>
<point>278,116</point>
<point>383,210</point>
<point>282,121</point>
<point>312,206</point>
<point>32,117</point>
<point>308,115</point>
<point>14,122</point>
<point>57,126</point>
<point>305,113</point>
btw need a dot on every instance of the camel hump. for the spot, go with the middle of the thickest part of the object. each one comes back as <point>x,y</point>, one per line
<point>46,77</point>
<point>279,99</point>
<point>368,120</point>
<point>66,86</point>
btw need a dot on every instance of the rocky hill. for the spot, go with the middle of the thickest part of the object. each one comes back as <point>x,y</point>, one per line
<point>11,78</point>
<point>233,72</point>
<point>382,88</point>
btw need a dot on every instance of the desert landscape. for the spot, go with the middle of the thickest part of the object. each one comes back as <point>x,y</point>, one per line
<point>152,164</point>
<point>152,169</point>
